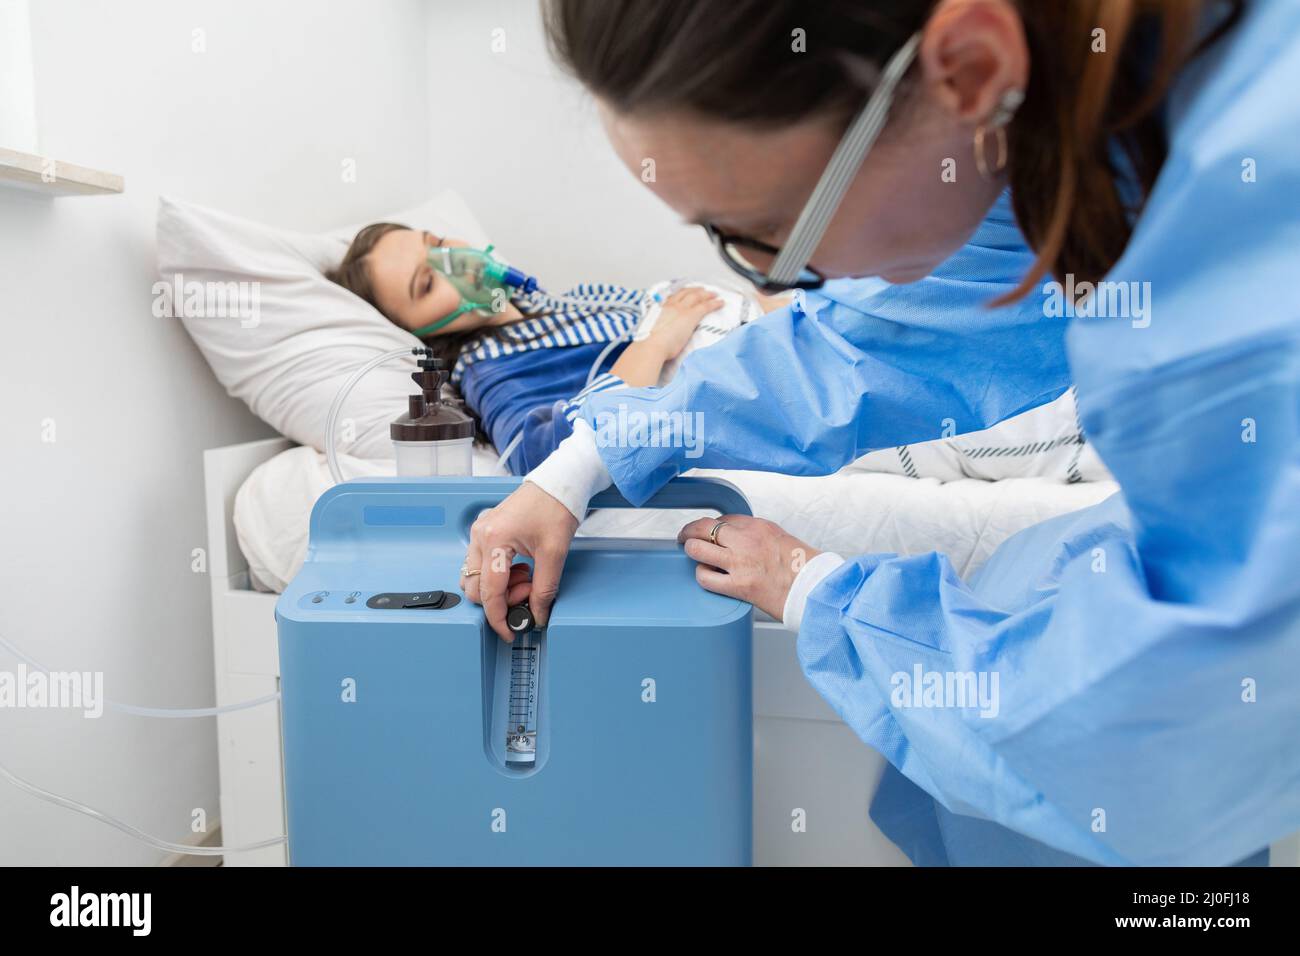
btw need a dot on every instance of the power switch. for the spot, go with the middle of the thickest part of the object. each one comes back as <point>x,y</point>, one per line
<point>414,600</point>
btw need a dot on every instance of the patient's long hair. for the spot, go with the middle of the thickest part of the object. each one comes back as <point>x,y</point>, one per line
<point>731,60</point>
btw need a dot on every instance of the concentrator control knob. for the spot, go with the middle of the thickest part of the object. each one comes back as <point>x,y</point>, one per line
<point>520,619</point>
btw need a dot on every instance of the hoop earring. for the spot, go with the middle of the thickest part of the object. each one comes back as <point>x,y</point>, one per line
<point>981,157</point>
<point>997,123</point>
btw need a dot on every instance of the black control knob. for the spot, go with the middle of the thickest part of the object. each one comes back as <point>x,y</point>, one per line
<point>520,619</point>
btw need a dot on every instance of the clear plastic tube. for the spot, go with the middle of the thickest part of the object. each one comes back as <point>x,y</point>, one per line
<point>595,366</point>
<point>331,420</point>
<point>140,710</point>
<point>510,447</point>
<point>102,817</point>
<point>587,304</point>
<point>112,821</point>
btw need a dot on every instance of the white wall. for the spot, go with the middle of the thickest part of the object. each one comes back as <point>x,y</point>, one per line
<point>523,143</point>
<point>251,107</point>
<point>97,528</point>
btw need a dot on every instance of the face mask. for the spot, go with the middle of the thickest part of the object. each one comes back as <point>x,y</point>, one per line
<point>484,283</point>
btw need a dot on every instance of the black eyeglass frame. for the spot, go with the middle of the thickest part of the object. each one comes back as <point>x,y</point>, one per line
<point>760,280</point>
<point>792,260</point>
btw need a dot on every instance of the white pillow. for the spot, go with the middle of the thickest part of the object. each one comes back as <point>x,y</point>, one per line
<point>297,336</point>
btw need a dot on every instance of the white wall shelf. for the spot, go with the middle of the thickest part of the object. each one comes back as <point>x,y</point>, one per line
<point>55,177</point>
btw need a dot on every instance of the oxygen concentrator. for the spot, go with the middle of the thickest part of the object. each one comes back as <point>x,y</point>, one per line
<point>620,734</point>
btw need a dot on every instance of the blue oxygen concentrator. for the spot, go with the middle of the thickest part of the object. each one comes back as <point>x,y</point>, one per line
<point>413,735</point>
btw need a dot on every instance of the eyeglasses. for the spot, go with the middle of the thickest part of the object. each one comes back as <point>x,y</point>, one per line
<point>733,249</point>
<point>790,269</point>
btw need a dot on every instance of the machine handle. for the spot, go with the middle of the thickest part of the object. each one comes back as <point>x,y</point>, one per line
<point>394,508</point>
<point>684,493</point>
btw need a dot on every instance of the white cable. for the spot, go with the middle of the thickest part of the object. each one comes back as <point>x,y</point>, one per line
<point>511,446</point>
<point>186,712</point>
<point>588,305</point>
<point>102,817</point>
<point>142,711</point>
<point>595,366</point>
<point>125,827</point>
<point>331,420</point>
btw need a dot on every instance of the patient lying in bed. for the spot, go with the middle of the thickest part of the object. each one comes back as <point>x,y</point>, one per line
<point>525,371</point>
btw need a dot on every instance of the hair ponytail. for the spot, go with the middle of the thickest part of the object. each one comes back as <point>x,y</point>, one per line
<point>1099,70</point>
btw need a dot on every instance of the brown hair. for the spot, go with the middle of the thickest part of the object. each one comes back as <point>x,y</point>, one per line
<point>732,60</point>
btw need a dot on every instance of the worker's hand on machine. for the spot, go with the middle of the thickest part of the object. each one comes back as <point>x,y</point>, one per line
<point>529,522</point>
<point>749,558</point>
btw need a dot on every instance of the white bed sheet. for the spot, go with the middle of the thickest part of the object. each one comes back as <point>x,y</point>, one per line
<point>852,512</point>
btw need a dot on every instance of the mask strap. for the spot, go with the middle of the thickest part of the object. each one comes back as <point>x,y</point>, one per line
<point>446,319</point>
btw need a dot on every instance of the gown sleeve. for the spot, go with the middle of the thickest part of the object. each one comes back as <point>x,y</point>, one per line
<point>545,426</point>
<point>1139,659</point>
<point>855,367</point>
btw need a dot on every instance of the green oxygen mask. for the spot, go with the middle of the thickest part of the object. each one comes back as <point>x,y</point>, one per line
<point>484,283</point>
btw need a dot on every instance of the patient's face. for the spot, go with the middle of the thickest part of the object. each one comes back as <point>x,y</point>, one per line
<point>411,293</point>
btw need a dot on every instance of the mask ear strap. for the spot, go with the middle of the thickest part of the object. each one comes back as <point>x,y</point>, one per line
<point>445,320</point>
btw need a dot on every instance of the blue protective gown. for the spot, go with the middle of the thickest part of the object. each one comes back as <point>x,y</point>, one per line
<point>1148,648</point>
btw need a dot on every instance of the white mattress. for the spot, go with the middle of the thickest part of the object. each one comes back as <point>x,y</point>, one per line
<point>852,512</point>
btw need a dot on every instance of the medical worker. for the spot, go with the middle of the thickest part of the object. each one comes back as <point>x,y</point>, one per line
<point>984,201</point>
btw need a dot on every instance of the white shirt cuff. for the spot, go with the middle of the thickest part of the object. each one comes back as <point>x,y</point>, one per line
<point>810,575</point>
<point>574,472</point>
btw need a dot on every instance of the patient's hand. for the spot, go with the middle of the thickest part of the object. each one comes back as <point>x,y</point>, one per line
<point>679,317</point>
<point>643,362</point>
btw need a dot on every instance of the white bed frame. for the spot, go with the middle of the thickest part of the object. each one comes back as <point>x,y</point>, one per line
<point>805,758</point>
<point>247,666</point>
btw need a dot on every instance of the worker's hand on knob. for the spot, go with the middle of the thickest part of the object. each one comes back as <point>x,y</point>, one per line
<point>530,522</point>
<point>749,558</point>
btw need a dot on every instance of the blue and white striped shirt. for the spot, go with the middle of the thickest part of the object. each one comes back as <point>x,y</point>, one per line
<point>534,376</point>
